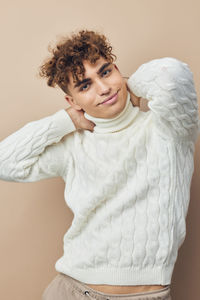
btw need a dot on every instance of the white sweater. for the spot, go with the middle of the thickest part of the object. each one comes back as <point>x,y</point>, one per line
<point>127,183</point>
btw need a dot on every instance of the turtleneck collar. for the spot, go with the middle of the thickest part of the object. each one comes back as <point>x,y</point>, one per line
<point>121,121</point>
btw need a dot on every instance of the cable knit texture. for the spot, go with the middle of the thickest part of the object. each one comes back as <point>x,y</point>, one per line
<point>127,183</point>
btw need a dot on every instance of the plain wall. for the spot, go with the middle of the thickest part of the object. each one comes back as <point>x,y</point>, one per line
<point>34,216</point>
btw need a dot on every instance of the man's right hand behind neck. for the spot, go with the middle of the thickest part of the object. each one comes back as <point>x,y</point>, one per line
<point>79,119</point>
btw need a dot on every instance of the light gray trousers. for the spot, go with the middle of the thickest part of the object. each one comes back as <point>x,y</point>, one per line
<point>64,287</point>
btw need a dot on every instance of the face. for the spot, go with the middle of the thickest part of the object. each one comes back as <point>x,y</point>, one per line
<point>102,81</point>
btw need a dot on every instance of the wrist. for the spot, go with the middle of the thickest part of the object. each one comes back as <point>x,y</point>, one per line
<point>73,115</point>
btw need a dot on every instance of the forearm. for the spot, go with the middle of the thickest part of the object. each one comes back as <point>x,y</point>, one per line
<point>24,155</point>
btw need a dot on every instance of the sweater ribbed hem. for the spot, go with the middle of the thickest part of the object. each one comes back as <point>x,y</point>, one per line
<point>112,276</point>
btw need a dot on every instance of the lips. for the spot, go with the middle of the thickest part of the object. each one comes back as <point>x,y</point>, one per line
<point>109,98</point>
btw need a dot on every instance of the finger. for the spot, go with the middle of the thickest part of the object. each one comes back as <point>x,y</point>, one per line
<point>91,128</point>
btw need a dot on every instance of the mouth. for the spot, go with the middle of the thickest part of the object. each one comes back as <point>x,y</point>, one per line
<point>110,99</point>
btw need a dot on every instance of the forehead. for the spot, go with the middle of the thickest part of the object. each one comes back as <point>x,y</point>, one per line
<point>89,66</point>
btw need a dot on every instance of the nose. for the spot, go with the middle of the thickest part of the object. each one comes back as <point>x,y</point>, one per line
<point>103,88</point>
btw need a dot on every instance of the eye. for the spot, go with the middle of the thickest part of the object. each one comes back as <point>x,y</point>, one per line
<point>106,72</point>
<point>84,87</point>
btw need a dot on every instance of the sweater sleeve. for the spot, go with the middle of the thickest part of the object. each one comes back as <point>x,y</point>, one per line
<point>168,86</point>
<point>35,151</point>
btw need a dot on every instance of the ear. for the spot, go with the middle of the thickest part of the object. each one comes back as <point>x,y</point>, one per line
<point>116,67</point>
<point>71,102</point>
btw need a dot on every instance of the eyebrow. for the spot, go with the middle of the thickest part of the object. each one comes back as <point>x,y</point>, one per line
<point>88,79</point>
<point>103,67</point>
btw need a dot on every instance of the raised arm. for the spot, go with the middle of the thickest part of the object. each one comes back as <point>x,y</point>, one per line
<point>35,151</point>
<point>168,85</point>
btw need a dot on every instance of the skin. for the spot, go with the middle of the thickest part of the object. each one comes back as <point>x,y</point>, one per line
<point>88,97</point>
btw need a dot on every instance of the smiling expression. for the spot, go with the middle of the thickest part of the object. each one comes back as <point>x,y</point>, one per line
<point>102,81</point>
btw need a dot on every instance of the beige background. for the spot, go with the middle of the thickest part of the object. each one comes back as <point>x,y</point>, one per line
<point>34,216</point>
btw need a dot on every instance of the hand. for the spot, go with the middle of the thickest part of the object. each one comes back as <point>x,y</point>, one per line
<point>79,119</point>
<point>134,99</point>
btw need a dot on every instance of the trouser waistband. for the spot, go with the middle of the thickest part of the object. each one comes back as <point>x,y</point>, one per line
<point>82,288</point>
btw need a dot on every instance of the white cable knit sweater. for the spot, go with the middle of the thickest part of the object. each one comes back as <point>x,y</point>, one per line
<point>127,183</point>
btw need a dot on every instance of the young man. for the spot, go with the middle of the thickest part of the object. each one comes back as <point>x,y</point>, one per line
<point>127,172</point>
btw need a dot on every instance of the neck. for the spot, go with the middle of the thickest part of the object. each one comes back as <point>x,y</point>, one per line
<point>122,120</point>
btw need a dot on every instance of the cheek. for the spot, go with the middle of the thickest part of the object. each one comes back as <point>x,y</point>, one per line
<point>118,81</point>
<point>87,98</point>
<point>122,86</point>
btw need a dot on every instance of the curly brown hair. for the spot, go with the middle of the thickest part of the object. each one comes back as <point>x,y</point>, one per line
<point>68,56</point>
